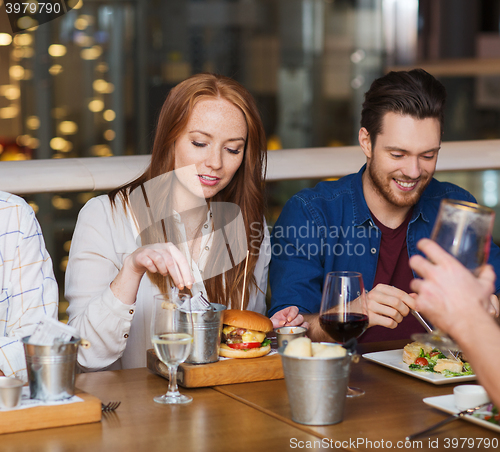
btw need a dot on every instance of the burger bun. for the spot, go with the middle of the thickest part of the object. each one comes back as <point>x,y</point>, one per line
<point>247,319</point>
<point>229,352</point>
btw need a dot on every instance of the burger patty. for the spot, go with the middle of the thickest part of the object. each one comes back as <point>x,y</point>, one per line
<point>234,336</point>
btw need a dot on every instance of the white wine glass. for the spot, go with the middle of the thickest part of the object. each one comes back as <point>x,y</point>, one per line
<point>464,230</point>
<point>172,338</point>
<point>343,313</point>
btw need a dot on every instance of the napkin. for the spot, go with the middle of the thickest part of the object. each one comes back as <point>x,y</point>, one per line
<point>197,303</point>
<point>50,332</point>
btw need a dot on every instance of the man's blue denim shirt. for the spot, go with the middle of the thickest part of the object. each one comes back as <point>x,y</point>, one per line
<point>330,228</point>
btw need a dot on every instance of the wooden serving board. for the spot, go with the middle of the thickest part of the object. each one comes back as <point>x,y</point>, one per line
<point>223,372</point>
<point>52,416</point>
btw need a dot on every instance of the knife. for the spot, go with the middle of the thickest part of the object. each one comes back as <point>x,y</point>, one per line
<point>445,421</point>
<point>429,329</point>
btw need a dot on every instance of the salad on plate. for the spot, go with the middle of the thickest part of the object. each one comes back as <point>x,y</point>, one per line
<point>424,358</point>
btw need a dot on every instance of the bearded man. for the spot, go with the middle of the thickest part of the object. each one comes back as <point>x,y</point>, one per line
<point>370,222</point>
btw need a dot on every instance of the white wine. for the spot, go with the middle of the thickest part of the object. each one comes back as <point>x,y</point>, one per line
<point>172,348</point>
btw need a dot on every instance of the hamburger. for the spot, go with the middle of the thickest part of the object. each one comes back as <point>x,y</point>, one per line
<point>244,334</point>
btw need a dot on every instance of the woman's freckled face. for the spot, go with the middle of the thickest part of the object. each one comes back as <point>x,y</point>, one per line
<point>214,142</point>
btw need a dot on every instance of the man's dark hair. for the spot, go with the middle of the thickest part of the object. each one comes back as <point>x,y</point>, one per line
<point>414,93</point>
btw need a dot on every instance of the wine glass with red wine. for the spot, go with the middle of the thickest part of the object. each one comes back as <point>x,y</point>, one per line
<point>344,314</point>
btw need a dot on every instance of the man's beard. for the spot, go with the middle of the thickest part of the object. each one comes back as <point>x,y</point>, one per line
<point>382,184</point>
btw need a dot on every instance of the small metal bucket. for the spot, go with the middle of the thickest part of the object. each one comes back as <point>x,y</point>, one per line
<point>10,392</point>
<point>51,369</point>
<point>207,329</point>
<point>316,388</point>
<point>285,334</point>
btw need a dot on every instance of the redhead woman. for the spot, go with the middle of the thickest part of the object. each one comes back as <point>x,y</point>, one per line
<point>184,222</point>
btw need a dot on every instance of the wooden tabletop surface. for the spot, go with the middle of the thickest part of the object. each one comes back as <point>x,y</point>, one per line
<point>253,417</point>
<point>391,409</point>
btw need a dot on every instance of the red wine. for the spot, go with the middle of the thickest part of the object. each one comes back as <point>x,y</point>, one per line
<point>341,328</point>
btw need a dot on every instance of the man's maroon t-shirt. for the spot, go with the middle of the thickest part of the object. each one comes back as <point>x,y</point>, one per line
<point>393,269</point>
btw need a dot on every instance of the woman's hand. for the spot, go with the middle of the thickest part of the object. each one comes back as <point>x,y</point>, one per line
<point>289,317</point>
<point>163,258</point>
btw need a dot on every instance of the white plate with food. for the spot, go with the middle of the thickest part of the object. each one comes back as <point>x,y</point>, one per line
<point>446,403</point>
<point>394,360</point>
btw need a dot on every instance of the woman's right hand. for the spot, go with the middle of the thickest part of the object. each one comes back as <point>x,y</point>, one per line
<point>289,316</point>
<point>163,258</point>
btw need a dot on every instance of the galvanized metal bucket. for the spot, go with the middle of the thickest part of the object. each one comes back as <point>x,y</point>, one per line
<point>10,392</point>
<point>285,334</point>
<point>51,369</point>
<point>207,329</point>
<point>316,388</point>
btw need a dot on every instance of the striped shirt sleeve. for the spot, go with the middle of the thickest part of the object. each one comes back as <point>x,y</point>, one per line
<point>28,286</point>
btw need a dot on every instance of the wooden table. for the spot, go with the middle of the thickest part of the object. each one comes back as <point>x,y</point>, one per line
<point>391,409</point>
<point>141,425</point>
<point>249,417</point>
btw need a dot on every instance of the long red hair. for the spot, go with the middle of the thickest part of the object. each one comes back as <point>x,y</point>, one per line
<point>245,189</point>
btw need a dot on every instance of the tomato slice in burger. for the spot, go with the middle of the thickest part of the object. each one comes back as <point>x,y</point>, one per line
<point>244,345</point>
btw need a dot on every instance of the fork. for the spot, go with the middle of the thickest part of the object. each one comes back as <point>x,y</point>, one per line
<point>428,328</point>
<point>205,302</point>
<point>446,420</point>
<point>110,406</point>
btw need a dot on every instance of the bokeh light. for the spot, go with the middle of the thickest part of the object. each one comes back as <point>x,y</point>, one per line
<point>68,127</point>
<point>109,115</point>
<point>57,50</point>
<point>96,105</point>
<point>5,39</point>
<point>109,135</point>
<point>33,122</point>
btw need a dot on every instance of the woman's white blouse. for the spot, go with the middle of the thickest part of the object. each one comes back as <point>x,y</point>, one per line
<point>120,334</point>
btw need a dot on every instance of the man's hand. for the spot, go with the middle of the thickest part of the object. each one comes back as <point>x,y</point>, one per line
<point>387,305</point>
<point>2,374</point>
<point>315,332</point>
<point>289,317</point>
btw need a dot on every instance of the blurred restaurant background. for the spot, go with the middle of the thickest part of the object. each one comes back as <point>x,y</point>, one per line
<point>91,82</point>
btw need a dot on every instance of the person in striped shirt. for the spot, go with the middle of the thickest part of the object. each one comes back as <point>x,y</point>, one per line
<point>28,287</point>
